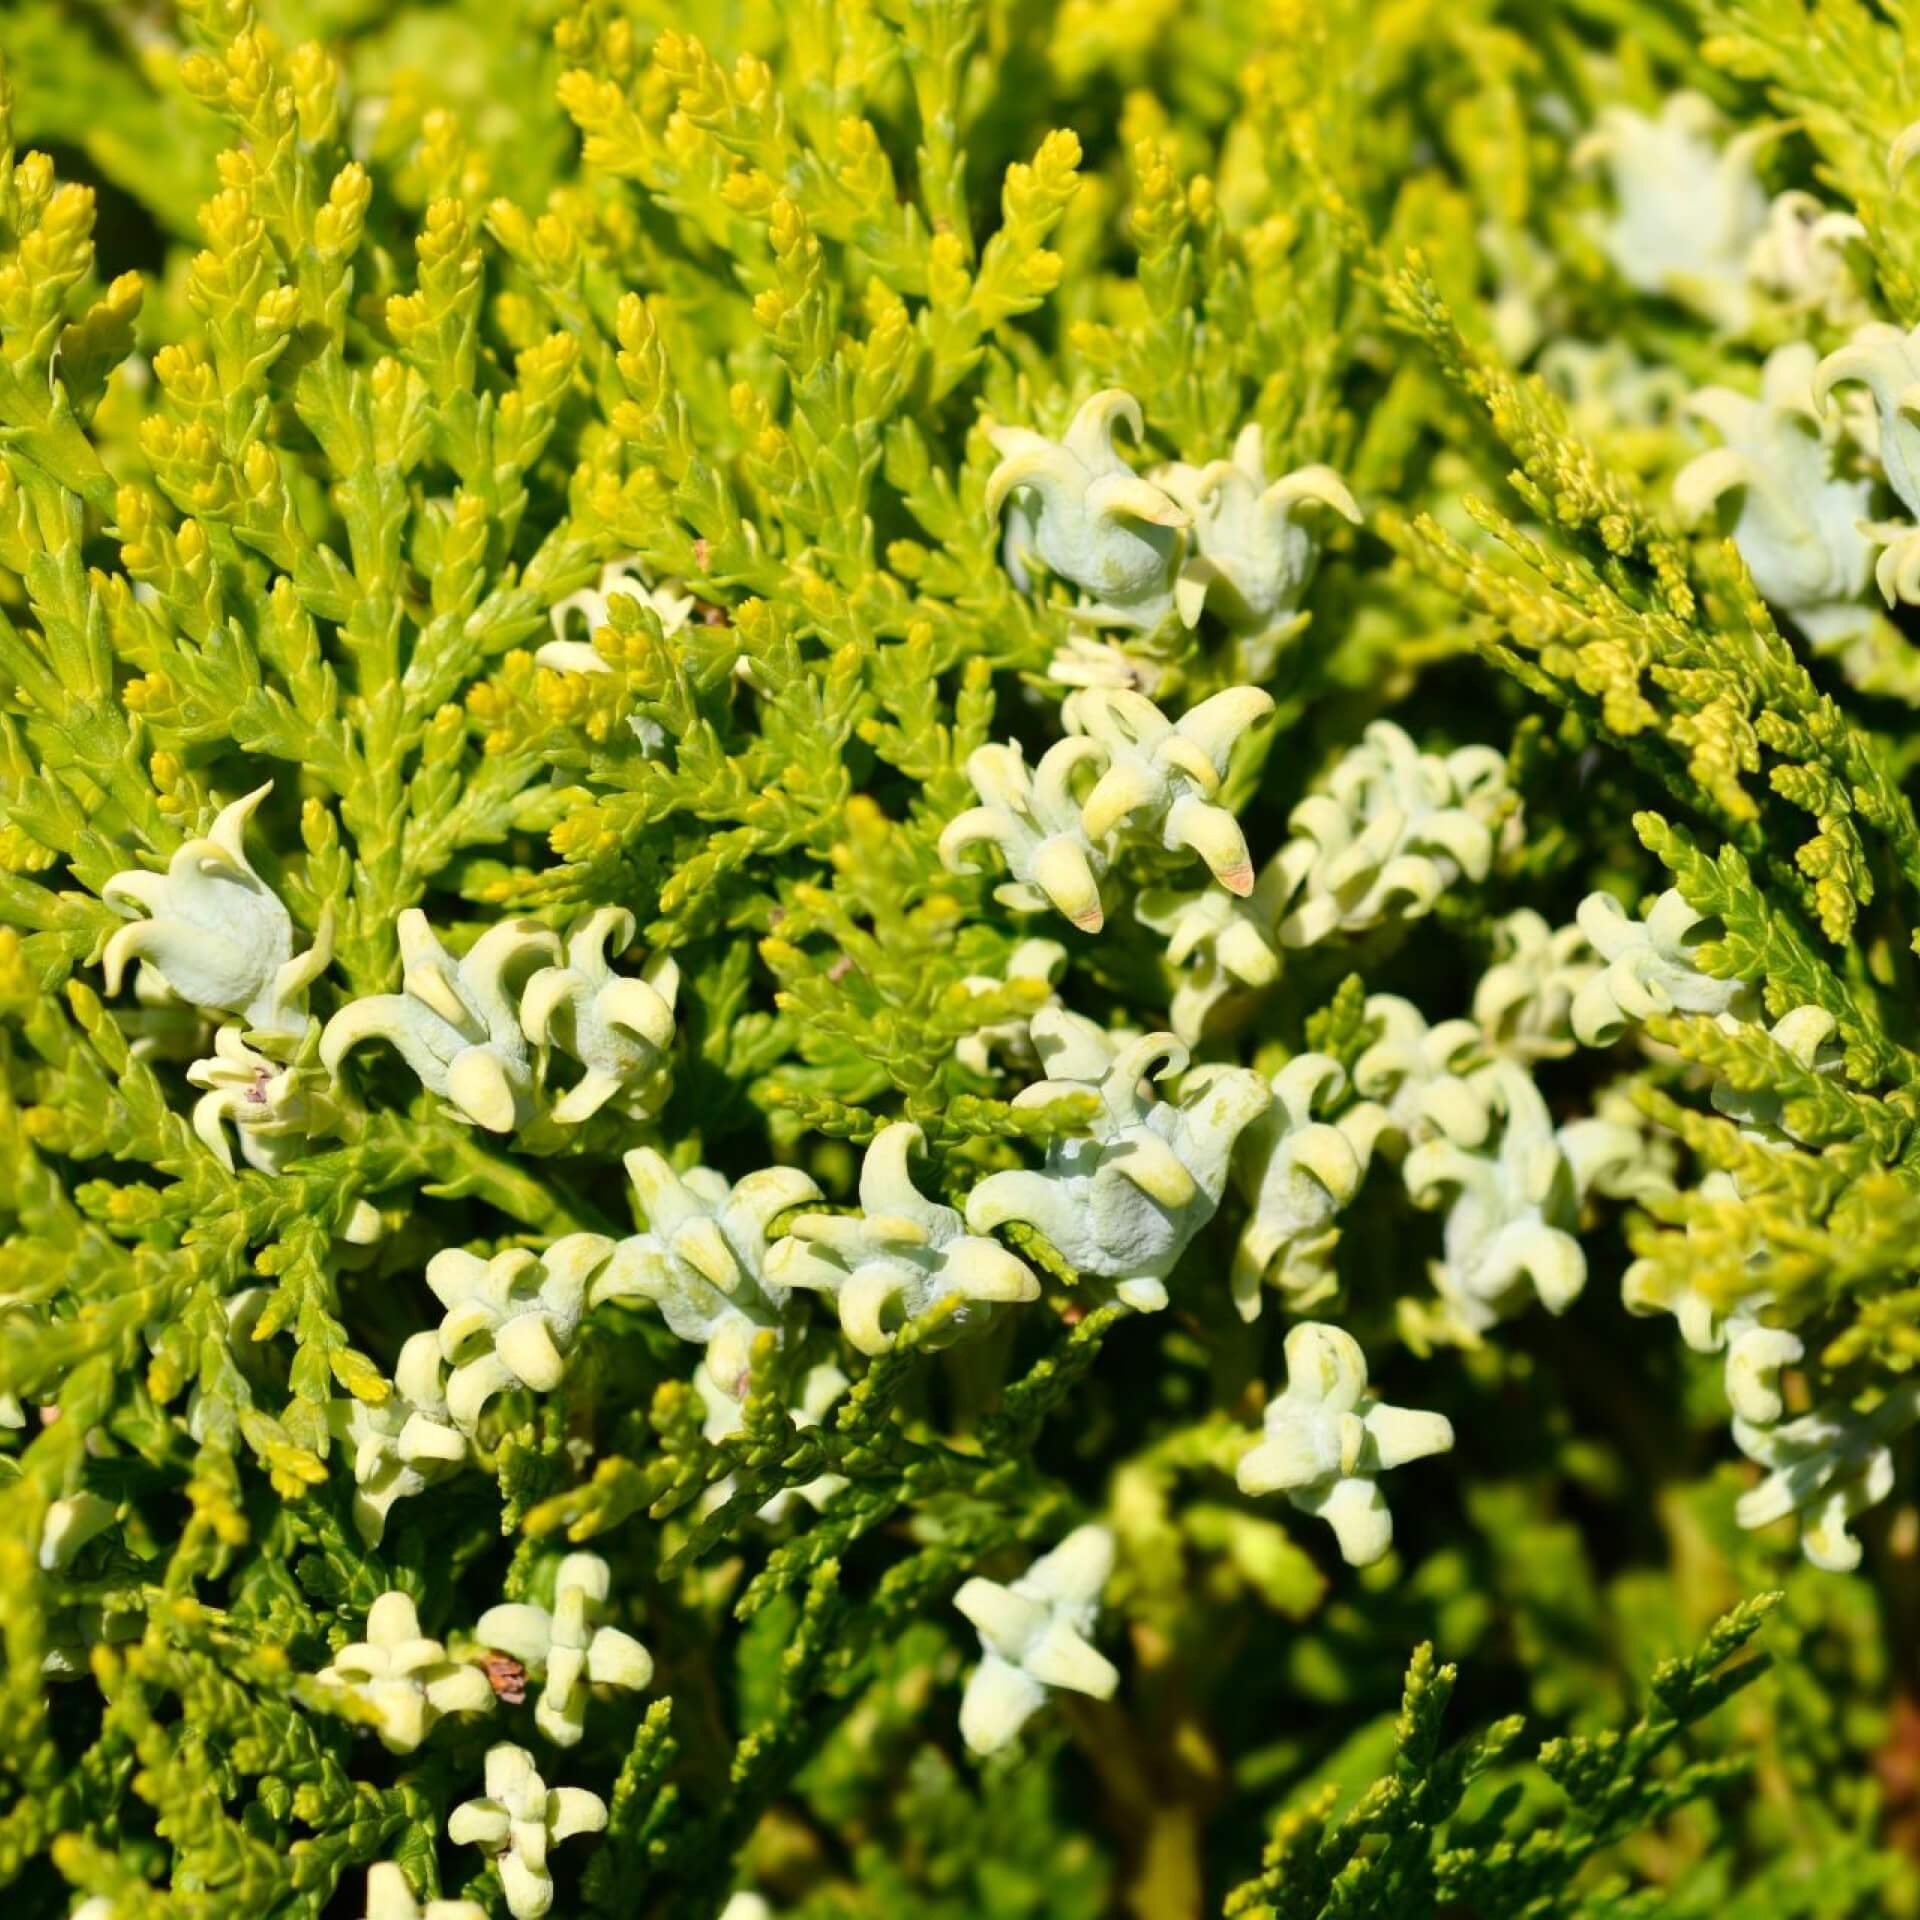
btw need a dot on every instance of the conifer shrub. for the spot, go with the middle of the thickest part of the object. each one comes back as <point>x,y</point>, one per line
<point>957,959</point>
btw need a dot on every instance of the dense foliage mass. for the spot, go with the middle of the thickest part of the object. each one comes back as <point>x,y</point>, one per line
<point>958,959</point>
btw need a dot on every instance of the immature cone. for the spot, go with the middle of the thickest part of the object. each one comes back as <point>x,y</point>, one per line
<point>455,1023</point>
<point>1298,1174</point>
<point>902,1257</point>
<point>510,1321</point>
<point>1687,215</point>
<point>1034,819</point>
<point>1126,1202</point>
<point>619,1028</point>
<point>1649,966</point>
<point>1326,1439</point>
<point>1162,775</point>
<point>1093,520</point>
<point>569,1648</point>
<point>1827,1467</point>
<point>518,1821</point>
<point>1256,552</point>
<point>390,1898</point>
<point>1393,831</point>
<point>406,1679</point>
<point>1033,1638</point>
<point>1799,522</point>
<point>1511,1201</point>
<point>704,1262</point>
<point>215,931</point>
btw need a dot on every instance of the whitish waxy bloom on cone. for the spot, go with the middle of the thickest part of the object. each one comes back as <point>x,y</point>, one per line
<point>1033,817</point>
<point>69,1523</point>
<point>215,932</point>
<point>1647,1169</point>
<point>511,1320</point>
<point>820,1388</point>
<point>1125,1202</point>
<point>1511,1200</point>
<point>703,1261</point>
<point>1393,831</point>
<point>1033,1637</point>
<point>587,612</point>
<point>1298,1173</point>
<point>1756,1357</point>
<point>568,1648</point>
<point>455,1023</point>
<point>405,1444</point>
<point>1756,1353</point>
<point>1886,362</point>
<point>1867,383</point>
<point>390,1898</point>
<point>1798,520</point>
<point>1257,550</point>
<point>1039,961</point>
<point>1218,944</point>
<point>1523,1004</point>
<point>903,1256</point>
<point>405,1678</point>
<point>1162,776</point>
<point>1414,1076</point>
<point>1611,1156</point>
<point>518,1822</point>
<point>1092,520</point>
<point>1687,214</point>
<point>1801,258</point>
<point>619,1028</point>
<point>1326,1438</point>
<point>1648,966</point>
<point>1828,1467</point>
<point>275,1107</point>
